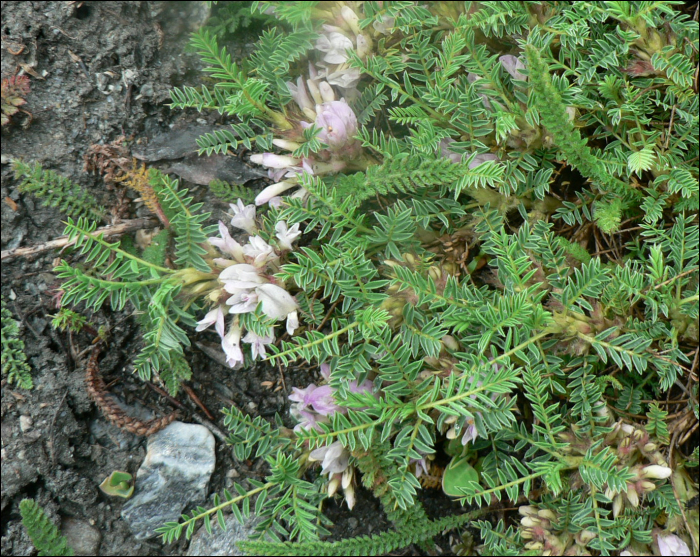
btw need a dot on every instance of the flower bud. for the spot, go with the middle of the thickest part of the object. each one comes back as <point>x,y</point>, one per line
<point>450,342</point>
<point>350,496</point>
<point>364,46</point>
<point>530,521</point>
<point>327,93</point>
<point>546,513</point>
<point>618,505</point>
<point>650,447</point>
<point>274,161</point>
<point>435,273</point>
<point>351,19</point>
<point>632,496</point>
<point>333,485</point>
<point>647,486</point>
<point>657,472</point>
<point>527,510</point>
<point>284,144</point>
<point>272,191</point>
<point>347,478</point>
<point>315,93</point>
<point>585,536</point>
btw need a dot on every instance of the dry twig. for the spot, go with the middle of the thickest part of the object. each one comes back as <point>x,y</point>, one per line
<point>62,241</point>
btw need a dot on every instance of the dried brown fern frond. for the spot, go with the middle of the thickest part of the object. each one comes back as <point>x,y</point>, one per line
<point>112,411</point>
<point>111,160</point>
<point>138,178</point>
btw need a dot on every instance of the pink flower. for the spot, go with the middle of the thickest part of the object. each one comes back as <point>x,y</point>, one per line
<point>512,65</point>
<point>319,398</point>
<point>277,303</point>
<point>258,343</point>
<point>227,244</point>
<point>335,458</point>
<point>282,166</point>
<point>338,124</point>
<point>244,301</point>
<point>470,433</point>
<point>671,544</point>
<point>259,251</point>
<point>286,235</point>
<point>231,344</point>
<point>334,45</point>
<point>244,217</point>
<point>240,277</point>
<point>215,316</point>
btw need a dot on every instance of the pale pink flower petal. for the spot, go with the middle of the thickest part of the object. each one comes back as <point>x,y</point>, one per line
<point>231,344</point>
<point>274,161</point>
<point>512,65</point>
<point>299,95</point>
<point>292,322</point>
<point>338,124</point>
<point>345,78</point>
<point>672,545</point>
<point>239,277</point>
<point>258,343</point>
<point>260,251</point>
<point>227,244</point>
<point>214,317</point>
<point>243,302</point>
<point>286,235</point>
<point>334,456</point>
<point>334,45</point>
<point>272,191</point>
<point>277,303</point>
<point>244,217</point>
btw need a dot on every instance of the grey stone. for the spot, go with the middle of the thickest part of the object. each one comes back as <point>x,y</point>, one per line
<point>83,538</point>
<point>222,542</point>
<point>174,477</point>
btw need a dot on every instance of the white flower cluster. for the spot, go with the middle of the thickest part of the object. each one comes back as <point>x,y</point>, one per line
<point>247,280</point>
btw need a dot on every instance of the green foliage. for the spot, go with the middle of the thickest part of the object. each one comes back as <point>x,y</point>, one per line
<point>119,277</point>
<point>68,319</point>
<point>230,17</point>
<point>43,533</point>
<point>14,360</point>
<point>231,192</point>
<point>56,191</point>
<point>377,544</point>
<point>186,222</point>
<point>506,250</point>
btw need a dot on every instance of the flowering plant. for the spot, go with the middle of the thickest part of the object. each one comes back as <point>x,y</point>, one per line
<point>500,267</point>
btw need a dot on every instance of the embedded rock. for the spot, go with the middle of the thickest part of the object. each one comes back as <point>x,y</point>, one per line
<point>173,478</point>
